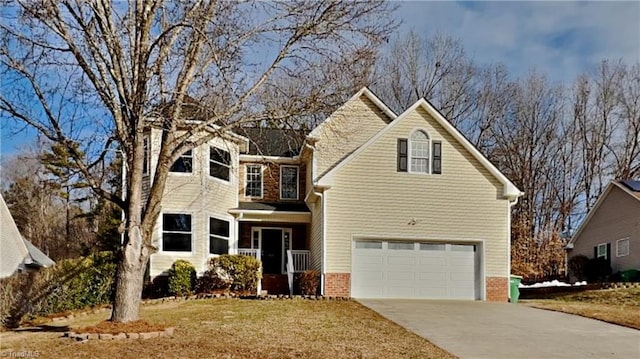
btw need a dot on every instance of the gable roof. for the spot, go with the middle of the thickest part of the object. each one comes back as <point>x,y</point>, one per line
<point>510,191</point>
<point>362,92</point>
<point>15,251</point>
<point>627,186</point>
<point>273,141</point>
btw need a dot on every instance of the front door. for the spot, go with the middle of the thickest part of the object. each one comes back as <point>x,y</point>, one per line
<point>271,251</point>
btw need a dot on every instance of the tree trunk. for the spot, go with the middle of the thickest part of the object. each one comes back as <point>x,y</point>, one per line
<point>129,279</point>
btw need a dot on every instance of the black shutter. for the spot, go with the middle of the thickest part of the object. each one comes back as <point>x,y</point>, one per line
<point>402,155</point>
<point>595,252</point>
<point>608,257</point>
<point>437,157</point>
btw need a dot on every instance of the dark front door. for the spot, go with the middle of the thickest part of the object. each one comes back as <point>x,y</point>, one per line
<point>272,251</point>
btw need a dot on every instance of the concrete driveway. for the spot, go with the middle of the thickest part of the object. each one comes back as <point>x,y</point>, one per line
<point>501,330</point>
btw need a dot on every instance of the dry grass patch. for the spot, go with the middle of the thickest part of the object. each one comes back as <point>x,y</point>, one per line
<point>618,306</point>
<point>109,327</point>
<point>234,328</point>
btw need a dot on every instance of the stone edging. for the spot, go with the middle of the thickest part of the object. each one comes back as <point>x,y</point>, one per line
<point>93,336</point>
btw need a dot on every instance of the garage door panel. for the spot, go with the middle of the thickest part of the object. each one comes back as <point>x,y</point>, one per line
<point>432,277</point>
<point>433,261</point>
<point>365,276</point>
<point>402,261</point>
<point>371,259</point>
<point>401,269</point>
<point>400,276</point>
<point>401,291</point>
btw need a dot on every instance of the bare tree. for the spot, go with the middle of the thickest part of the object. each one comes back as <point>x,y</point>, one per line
<point>90,74</point>
<point>435,68</point>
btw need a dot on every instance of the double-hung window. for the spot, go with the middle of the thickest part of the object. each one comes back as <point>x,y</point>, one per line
<point>419,154</point>
<point>219,163</point>
<point>176,232</point>
<point>253,181</point>
<point>289,182</point>
<point>622,247</point>
<point>419,142</point>
<point>601,251</point>
<point>218,236</point>
<point>184,163</point>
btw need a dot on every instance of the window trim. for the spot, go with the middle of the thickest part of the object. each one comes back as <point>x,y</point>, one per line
<point>229,166</point>
<point>297,182</point>
<point>246,180</point>
<point>410,152</point>
<point>193,224</point>
<point>606,255</point>
<point>193,164</point>
<point>146,153</point>
<point>627,239</point>
<point>209,234</point>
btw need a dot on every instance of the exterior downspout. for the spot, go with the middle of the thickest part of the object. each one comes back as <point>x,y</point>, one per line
<point>511,204</point>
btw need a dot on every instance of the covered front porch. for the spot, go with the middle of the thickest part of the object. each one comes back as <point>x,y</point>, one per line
<point>279,239</point>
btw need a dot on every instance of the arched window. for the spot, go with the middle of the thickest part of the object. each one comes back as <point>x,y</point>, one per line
<point>419,144</point>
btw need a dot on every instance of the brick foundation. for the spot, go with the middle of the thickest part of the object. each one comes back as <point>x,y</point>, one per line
<point>337,285</point>
<point>497,289</point>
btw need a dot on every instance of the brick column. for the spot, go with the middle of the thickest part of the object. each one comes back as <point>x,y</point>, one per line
<point>337,284</point>
<point>497,289</point>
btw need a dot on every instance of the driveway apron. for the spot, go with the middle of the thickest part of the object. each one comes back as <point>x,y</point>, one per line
<point>471,329</point>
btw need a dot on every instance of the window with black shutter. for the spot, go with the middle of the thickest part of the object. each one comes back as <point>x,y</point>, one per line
<point>402,155</point>
<point>437,157</point>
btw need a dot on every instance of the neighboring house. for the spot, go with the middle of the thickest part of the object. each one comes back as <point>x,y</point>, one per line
<point>17,253</point>
<point>611,229</point>
<point>383,206</point>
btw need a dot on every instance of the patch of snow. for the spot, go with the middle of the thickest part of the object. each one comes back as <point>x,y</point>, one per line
<point>553,283</point>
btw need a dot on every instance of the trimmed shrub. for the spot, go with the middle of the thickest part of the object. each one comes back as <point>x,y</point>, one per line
<point>309,282</point>
<point>598,270</point>
<point>231,272</point>
<point>182,278</point>
<point>578,267</point>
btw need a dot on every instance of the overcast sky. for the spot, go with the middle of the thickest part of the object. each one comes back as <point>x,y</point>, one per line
<point>558,38</point>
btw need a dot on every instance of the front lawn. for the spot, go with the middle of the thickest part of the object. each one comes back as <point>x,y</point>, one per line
<point>233,328</point>
<point>619,306</point>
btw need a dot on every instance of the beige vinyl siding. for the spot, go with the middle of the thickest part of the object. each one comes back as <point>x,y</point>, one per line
<point>370,198</point>
<point>617,217</point>
<point>345,130</point>
<point>316,235</point>
<point>202,196</point>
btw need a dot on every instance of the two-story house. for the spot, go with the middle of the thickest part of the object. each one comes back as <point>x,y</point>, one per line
<point>382,205</point>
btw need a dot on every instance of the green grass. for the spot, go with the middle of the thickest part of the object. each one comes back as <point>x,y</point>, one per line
<point>619,306</point>
<point>232,328</point>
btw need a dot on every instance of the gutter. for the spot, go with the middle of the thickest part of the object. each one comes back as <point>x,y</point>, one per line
<point>512,203</point>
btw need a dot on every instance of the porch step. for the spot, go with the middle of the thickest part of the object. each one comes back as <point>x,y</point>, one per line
<point>275,283</point>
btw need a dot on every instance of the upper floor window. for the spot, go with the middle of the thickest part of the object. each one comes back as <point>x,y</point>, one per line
<point>176,232</point>
<point>253,181</point>
<point>289,182</point>
<point>145,154</point>
<point>218,236</point>
<point>419,154</point>
<point>419,143</point>
<point>219,163</point>
<point>184,163</point>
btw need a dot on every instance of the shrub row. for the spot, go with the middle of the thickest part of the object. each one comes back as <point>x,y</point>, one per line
<point>69,285</point>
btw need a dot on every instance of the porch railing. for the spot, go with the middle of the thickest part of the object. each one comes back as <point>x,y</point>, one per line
<point>300,260</point>
<point>255,253</point>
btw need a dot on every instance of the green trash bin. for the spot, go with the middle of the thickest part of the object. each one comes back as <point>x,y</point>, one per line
<point>515,292</point>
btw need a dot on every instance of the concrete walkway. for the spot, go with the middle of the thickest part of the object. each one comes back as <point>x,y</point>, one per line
<point>500,330</point>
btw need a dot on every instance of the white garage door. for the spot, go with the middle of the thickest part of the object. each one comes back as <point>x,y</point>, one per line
<point>397,269</point>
